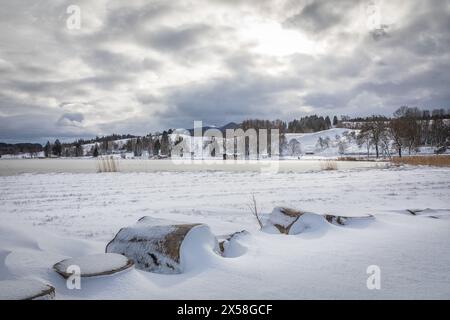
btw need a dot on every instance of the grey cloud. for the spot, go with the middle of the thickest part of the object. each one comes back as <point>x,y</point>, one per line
<point>176,39</point>
<point>71,119</point>
<point>224,100</point>
<point>322,15</point>
<point>38,127</point>
<point>380,32</point>
<point>208,70</point>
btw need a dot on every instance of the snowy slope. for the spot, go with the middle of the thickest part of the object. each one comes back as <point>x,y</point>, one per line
<point>309,142</point>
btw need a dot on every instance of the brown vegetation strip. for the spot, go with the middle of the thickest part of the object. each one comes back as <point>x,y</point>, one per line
<point>436,160</point>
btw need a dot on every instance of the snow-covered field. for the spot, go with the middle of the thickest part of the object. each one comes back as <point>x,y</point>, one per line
<point>49,217</point>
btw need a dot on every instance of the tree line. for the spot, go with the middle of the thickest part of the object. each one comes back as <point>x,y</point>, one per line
<point>32,148</point>
<point>306,124</point>
<point>407,130</point>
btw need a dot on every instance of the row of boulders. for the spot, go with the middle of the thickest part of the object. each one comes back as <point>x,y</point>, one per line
<point>163,246</point>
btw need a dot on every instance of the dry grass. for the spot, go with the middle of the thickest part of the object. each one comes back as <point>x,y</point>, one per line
<point>348,159</point>
<point>107,164</point>
<point>329,165</point>
<point>435,160</point>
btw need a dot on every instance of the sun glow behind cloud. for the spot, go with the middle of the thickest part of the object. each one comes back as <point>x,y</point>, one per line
<point>271,38</point>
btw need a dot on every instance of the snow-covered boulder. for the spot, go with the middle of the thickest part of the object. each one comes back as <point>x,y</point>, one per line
<point>163,246</point>
<point>94,265</point>
<point>25,289</point>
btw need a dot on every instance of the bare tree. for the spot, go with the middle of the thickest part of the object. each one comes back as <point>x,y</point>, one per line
<point>294,147</point>
<point>375,129</point>
<point>396,130</point>
<point>363,138</point>
<point>386,144</point>
<point>342,147</point>
<point>405,129</point>
<point>253,208</point>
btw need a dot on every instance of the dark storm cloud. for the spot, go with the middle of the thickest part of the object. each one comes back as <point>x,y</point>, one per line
<point>142,66</point>
<point>321,15</point>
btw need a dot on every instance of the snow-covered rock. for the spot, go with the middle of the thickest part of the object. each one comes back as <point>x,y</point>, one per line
<point>163,246</point>
<point>25,289</point>
<point>94,265</point>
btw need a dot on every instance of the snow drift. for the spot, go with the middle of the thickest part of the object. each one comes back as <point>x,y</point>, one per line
<point>163,246</point>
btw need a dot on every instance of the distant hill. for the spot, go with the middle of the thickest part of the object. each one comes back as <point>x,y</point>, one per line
<point>231,125</point>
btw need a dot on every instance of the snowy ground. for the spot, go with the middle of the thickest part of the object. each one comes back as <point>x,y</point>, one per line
<point>49,217</point>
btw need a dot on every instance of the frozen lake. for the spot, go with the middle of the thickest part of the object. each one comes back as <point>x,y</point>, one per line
<point>18,166</point>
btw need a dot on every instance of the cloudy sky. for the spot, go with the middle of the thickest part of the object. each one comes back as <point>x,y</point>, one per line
<point>141,66</point>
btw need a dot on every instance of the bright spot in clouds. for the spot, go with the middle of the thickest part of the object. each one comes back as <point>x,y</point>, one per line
<point>272,39</point>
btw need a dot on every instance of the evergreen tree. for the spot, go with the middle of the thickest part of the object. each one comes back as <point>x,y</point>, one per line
<point>95,153</point>
<point>78,149</point>
<point>335,121</point>
<point>57,148</point>
<point>47,149</point>
<point>328,122</point>
<point>165,145</point>
<point>156,147</point>
<point>129,145</point>
<point>138,148</point>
